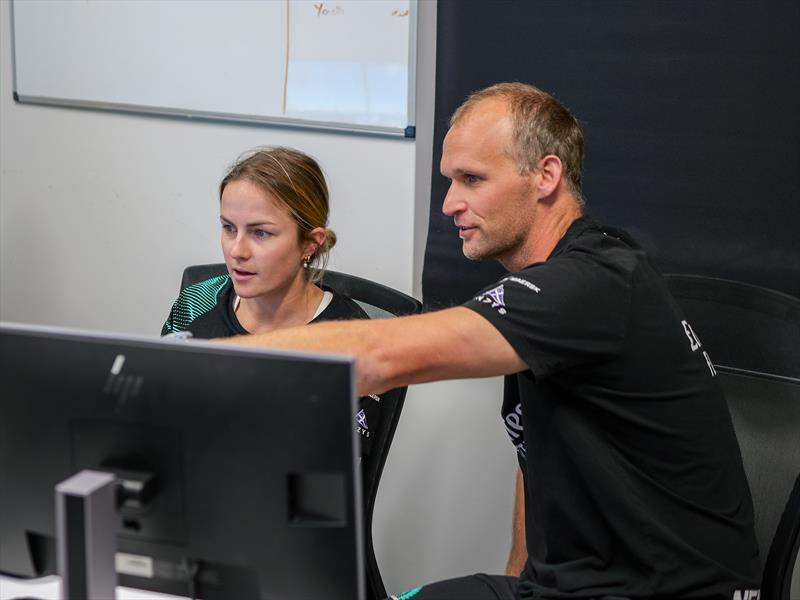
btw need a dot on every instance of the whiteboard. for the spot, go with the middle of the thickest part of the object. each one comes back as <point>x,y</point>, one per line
<point>340,64</point>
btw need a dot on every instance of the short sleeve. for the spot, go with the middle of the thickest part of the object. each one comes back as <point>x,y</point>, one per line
<point>193,302</point>
<point>562,313</point>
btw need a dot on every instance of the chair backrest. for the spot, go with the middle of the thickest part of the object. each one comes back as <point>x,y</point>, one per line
<point>197,273</point>
<point>378,301</point>
<point>742,326</point>
<point>753,337</point>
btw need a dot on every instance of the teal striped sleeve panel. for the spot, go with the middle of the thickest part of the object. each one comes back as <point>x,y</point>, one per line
<point>194,301</point>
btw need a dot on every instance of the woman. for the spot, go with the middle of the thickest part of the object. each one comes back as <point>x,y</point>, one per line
<point>275,240</point>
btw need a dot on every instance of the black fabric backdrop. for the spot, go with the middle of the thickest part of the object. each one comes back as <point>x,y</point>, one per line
<point>690,114</point>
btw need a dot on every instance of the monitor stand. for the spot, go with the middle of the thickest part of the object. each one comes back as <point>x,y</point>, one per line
<point>86,535</point>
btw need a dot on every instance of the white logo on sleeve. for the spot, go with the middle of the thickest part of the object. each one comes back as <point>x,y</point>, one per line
<point>494,297</point>
<point>362,427</point>
<point>694,344</point>
<point>523,283</point>
<point>746,594</point>
<point>693,341</point>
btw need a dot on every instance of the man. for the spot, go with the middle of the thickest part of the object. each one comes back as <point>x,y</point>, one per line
<point>633,482</point>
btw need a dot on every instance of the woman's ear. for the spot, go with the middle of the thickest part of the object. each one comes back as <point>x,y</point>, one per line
<point>315,239</point>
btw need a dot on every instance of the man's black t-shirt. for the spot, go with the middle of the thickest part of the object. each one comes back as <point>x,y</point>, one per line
<point>634,484</point>
<point>206,309</point>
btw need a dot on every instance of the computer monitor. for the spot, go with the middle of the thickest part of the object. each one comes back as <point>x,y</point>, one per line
<point>247,459</point>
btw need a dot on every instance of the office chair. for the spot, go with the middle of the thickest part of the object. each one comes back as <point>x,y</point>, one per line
<point>753,337</point>
<point>378,301</point>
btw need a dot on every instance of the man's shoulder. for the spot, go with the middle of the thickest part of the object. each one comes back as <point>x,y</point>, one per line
<point>589,253</point>
<point>587,235</point>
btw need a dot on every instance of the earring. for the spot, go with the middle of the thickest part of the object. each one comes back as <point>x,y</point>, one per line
<point>305,261</point>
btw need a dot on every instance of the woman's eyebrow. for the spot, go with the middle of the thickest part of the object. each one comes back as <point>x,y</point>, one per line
<point>254,224</point>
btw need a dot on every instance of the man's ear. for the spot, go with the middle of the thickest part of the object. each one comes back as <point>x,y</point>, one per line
<point>548,174</point>
<point>314,241</point>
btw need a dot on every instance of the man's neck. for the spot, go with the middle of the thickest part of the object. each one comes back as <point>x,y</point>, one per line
<point>552,221</point>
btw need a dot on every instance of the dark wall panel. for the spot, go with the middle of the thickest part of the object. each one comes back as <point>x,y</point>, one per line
<point>691,112</point>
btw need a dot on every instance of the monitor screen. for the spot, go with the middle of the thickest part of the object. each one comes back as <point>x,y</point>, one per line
<point>247,460</point>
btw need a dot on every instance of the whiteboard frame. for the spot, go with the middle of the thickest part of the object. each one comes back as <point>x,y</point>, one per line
<point>408,132</point>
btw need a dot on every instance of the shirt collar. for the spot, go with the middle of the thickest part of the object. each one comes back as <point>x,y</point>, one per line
<point>578,227</point>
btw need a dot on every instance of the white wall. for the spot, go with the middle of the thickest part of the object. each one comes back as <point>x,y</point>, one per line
<point>100,212</point>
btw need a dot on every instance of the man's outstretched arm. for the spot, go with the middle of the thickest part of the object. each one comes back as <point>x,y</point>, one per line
<point>454,343</point>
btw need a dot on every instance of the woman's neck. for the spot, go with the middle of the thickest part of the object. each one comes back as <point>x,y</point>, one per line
<point>294,307</point>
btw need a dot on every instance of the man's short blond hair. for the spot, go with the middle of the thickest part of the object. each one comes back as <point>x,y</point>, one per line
<point>540,125</point>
